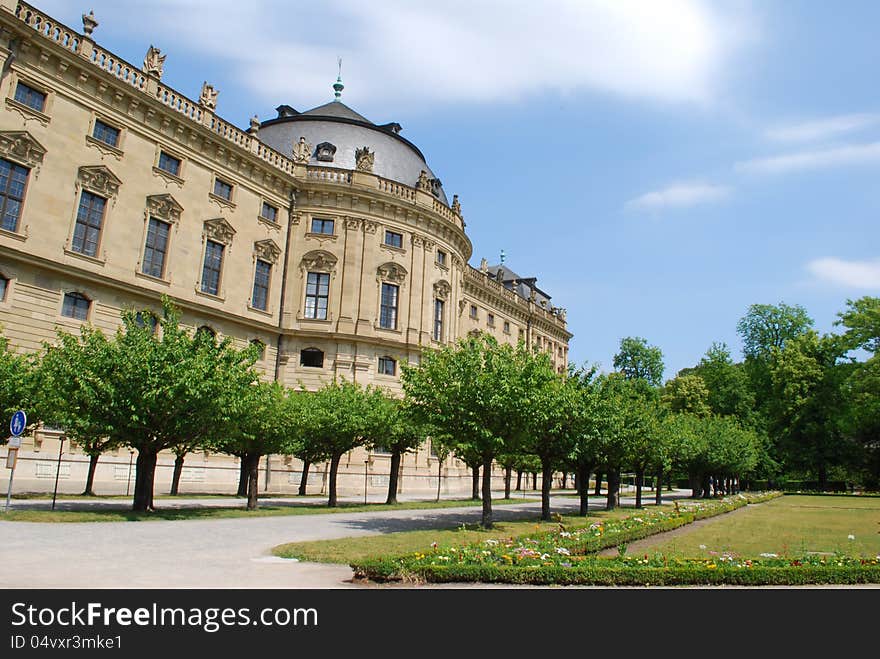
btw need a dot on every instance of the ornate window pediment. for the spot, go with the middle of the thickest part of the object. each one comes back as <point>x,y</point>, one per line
<point>21,147</point>
<point>220,230</point>
<point>391,272</point>
<point>99,179</point>
<point>442,289</point>
<point>267,250</point>
<point>164,207</point>
<point>318,261</point>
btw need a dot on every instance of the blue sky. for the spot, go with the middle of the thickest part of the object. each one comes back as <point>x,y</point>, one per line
<point>659,166</point>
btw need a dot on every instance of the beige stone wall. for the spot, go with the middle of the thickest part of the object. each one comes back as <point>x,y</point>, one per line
<point>84,84</point>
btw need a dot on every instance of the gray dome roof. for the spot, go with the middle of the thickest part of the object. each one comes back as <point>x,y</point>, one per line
<point>396,158</point>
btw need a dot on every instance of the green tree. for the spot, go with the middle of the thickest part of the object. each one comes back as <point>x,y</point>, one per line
<point>340,417</point>
<point>475,392</point>
<point>862,322</point>
<point>171,387</point>
<point>15,385</point>
<point>398,430</point>
<point>639,361</point>
<point>587,411</point>
<point>810,403</point>
<point>730,393</point>
<point>75,386</point>
<point>687,393</point>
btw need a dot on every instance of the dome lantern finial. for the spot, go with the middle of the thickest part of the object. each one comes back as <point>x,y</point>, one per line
<point>338,86</point>
<point>502,257</point>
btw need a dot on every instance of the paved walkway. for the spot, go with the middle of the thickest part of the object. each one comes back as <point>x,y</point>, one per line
<point>213,553</point>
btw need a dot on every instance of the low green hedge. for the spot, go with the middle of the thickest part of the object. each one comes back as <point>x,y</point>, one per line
<point>559,556</point>
<point>606,572</point>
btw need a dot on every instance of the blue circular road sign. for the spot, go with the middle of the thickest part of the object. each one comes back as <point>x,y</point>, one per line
<point>18,423</point>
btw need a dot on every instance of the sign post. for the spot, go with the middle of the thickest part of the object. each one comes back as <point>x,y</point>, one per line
<point>58,469</point>
<point>16,427</point>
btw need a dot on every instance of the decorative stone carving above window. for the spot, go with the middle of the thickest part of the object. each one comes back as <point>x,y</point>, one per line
<point>364,159</point>
<point>220,230</point>
<point>442,289</point>
<point>267,250</point>
<point>164,207</point>
<point>318,261</point>
<point>99,179</point>
<point>325,152</point>
<point>391,272</point>
<point>352,223</point>
<point>21,147</point>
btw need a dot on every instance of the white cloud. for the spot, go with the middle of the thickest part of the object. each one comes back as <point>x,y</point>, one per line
<point>857,274</point>
<point>820,129</point>
<point>679,195</point>
<point>851,154</point>
<point>407,52</point>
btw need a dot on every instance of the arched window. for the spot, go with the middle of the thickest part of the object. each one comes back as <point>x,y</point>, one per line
<point>76,305</point>
<point>207,331</point>
<point>311,357</point>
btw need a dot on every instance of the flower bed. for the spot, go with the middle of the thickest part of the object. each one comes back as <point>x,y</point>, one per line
<point>565,557</point>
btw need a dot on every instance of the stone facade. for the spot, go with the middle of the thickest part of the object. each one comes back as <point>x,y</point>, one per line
<point>132,190</point>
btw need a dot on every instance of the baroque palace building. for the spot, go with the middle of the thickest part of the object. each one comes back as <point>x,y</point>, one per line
<point>321,235</point>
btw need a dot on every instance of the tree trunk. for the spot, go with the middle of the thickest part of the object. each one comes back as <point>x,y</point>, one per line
<point>695,486</point>
<point>707,490</point>
<point>534,480</point>
<point>89,490</point>
<point>145,472</point>
<point>439,476</point>
<point>393,477</point>
<point>658,488</point>
<point>640,478</point>
<point>611,500</point>
<point>475,483</point>
<point>546,481</point>
<point>242,477</point>
<point>334,467</point>
<point>584,490</point>
<point>487,494</point>
<point>598,489</point>
<point>303,481</point>
<point>508,472</point>
<point>175,479</point>
<point>564,480</point>
<point>253,467</point>
<point>823,477</point>
<point>518,480</point>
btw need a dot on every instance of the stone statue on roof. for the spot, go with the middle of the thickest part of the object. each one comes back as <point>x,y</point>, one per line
<point>154,60</point>
<point>208,97</point>
<point>364,159</point>
<point>302,151</point>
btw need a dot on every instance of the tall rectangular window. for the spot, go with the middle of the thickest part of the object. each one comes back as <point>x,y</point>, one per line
<point>387,366</point>
<point>106,133</point>
<point>322,226</point>
<point>262,274</point>
<point>75,305</point>
<point>89,218</point>
<point>394,239</point>
<point>4,286</point>
<point>156,247</point>
<point>388,307</point>
<point>269,212</point>
<point>212,267</point>
<point>13,181</point>
<point>317,294</point>
<point>223,189</point>
<point>441,257</point>
<point>438,319</point>
<point>169,163</point>
<point>31,97</point>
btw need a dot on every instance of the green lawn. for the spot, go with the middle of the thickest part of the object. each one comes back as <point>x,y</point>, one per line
<point>265,510</point>
<point>787,526</point>
<point>347,550</point>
